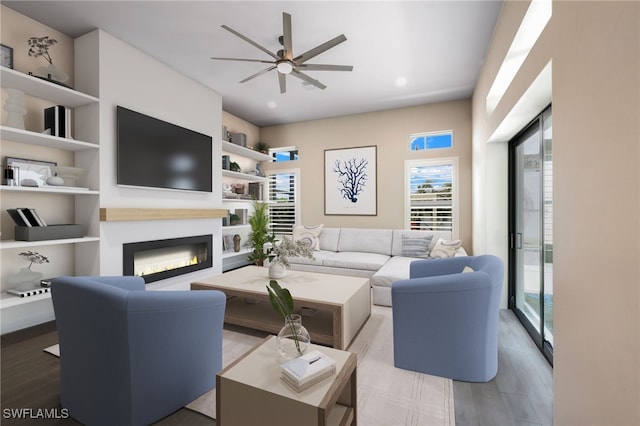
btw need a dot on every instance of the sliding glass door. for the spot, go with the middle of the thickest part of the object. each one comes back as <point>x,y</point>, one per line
<point>531,231</point>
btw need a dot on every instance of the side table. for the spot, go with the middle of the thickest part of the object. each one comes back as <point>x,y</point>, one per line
<point>250,392</point>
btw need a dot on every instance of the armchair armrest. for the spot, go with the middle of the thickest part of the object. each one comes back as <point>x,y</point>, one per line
<point>436,267</point>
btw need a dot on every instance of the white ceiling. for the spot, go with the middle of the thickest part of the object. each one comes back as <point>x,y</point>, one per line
<point>437,46</point>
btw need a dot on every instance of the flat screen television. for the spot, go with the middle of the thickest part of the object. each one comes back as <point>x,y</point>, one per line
<point>156,154</point>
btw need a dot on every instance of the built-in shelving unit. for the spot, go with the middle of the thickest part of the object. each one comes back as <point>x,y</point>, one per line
<point>231,259</point>
<point>85,213</point>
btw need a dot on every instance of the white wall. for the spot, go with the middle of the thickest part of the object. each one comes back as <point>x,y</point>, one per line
<point>130,78</point>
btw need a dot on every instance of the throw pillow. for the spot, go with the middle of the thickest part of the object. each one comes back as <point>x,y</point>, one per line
<point>445,248</point>
<point>416,245</point>
<point>308,234</point>
<point>467,269</point>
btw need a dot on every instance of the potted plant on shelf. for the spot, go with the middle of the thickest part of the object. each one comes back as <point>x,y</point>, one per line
<point>293,338</point>
<point>280,251</point>
<point>39,46</point>
<point>262,147</point>
<point>259,235</point>
<point>27,279</point>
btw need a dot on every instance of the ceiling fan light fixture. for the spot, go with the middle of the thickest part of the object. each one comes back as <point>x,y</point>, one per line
<point>285,67</point>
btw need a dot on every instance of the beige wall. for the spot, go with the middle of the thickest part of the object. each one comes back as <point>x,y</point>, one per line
<point>238,125</point>
<point>389,131</point>
<point>594,50</point>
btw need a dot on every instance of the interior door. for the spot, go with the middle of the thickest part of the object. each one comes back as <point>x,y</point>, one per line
<point>531,231</point>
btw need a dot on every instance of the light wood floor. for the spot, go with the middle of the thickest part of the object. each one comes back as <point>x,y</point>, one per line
<point>521,393</point>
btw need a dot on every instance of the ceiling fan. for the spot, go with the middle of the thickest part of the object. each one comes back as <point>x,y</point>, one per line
<point>285,62</point>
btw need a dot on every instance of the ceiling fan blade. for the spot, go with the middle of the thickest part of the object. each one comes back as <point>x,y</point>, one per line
<point>287,41</point>
<point>244,60</point>
<point>251,42</point>
<point>319,49</point>
<point>302,76</point>
<point>319,67</point>
<point>282,80</point>
<point>259,73</point>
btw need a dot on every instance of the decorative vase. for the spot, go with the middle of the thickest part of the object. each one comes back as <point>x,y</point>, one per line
<point>26,279</point>
<point>277,269</point>
<point>236,243</point>
<point>293,339</point>
<point>15,108</point>
<point>51,72</point>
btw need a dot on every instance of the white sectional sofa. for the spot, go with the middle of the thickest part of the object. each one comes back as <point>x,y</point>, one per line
<point>380,254</point>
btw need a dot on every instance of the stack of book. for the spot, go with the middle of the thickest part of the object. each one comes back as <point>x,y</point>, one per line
<point>24,216</point>
<point>305,371</point>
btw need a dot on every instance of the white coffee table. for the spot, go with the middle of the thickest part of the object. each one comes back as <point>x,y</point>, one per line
<point>250,392</point>
<point>333,307</point>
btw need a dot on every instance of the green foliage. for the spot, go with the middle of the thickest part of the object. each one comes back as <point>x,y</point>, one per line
<point>281,299</point>
<point>259,234</point>
<point>39,46</point>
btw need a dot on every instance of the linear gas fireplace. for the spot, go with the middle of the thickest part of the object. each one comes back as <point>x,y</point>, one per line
<point>161,259</point>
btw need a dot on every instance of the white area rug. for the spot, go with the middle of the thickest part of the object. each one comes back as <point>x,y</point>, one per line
<point>387,396</point>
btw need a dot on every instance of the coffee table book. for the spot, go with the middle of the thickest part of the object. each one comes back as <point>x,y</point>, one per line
<point>307,370</point>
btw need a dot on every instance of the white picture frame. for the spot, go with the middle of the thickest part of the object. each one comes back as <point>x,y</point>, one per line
<point>350,181</point>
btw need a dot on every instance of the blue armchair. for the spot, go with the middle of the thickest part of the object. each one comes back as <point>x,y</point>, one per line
<point>130,356</point>
<point>445,322</point>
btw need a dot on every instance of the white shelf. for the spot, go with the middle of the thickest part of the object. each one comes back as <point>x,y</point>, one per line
<point>229,227</point>
<point>243,252</point>
<point>50,189</point>
<point>232,148</point>
<point>11,244</point>
<point>41,139</point>
<point>240,200</point>
<point>244,176</point>
<point>43,89</point>
<point>9,300</point>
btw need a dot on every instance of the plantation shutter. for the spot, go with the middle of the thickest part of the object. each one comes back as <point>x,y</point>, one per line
<point>431,197</point>
<point>282,202</point>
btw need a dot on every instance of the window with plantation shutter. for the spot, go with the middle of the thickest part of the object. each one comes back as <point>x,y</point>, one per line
<point>431,194</point>
<point>283,199</point>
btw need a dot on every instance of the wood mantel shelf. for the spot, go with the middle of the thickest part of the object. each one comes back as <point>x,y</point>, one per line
<point>125,214</point>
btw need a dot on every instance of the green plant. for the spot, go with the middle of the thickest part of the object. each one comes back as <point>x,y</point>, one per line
<point>289,248</point>
<point>261,147</point>
<point>259,235</point>
<point>282,302</point>
<point>39,46</point>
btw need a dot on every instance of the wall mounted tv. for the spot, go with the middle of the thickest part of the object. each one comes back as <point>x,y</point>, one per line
<point>156,154</point>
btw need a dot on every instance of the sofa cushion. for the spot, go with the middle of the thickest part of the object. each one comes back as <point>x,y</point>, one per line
<point>397,268</point>
<point>318,258</point>
<point>366,240</point>
<point>396,248</point>
<point>416,245</point>
<point>445,248</point>
<point>355,260</point>
<point>309,234</point>
<point>328,239</point>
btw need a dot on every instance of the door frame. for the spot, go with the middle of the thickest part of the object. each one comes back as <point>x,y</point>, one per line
<point>535,125</point>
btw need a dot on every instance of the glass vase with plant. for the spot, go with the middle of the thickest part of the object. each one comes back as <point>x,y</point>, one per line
<point>293,338</point>
<point>281,251</point>
<point>27,279</point>
<point>39,47</point>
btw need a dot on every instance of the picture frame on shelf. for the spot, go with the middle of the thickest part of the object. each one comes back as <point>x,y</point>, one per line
<point>30,171</point>
<point>6,56</point>
<point>227,242</point>
<point>350,181</point>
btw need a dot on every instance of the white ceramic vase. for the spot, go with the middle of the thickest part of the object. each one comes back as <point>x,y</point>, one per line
<point>15,108</point>
<point>277,269</point>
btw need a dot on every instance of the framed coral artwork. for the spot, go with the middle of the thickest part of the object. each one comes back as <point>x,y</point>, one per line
<point>350,181</point>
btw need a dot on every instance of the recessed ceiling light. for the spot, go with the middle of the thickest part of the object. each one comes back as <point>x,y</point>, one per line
<point>401,81</point>
<point>272,105</point>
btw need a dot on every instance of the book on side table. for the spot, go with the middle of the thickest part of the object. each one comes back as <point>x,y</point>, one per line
<point>307,370</point>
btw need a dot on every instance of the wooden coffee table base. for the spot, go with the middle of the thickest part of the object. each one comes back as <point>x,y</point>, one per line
<point>334,308</point>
